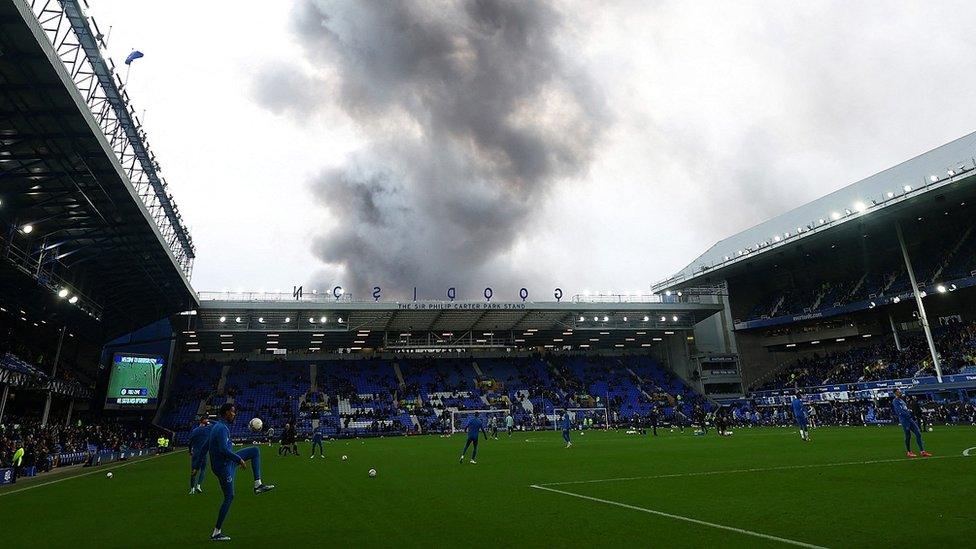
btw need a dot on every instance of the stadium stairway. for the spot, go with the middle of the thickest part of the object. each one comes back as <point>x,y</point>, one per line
<point>477,370</point>
<point>399,375</point>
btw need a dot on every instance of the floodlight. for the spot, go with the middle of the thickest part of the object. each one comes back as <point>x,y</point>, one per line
<point>73,300</point>
<point>63,293</point>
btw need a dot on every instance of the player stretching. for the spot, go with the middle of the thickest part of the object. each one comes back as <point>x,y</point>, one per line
<point>317,441</point>
<point>800,416</point>
<point>224,463</point>
<point>567,425</point>
<point>198,444</point>
<point>473,428</point>
<point>509,424</point>
<point>908,424</point>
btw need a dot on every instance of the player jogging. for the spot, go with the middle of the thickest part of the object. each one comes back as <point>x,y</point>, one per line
<point>509,424</point>
<point>493,423</point>
<point>198,444</point>
<point>473,427</point>
<point>224,463</point>
<point>800,416</point>
<point>908,424</point>
<point>567,425</point>
<point>317,441</point>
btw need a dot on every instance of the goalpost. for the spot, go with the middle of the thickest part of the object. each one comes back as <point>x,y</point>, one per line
<point>578,417</point>
<point>459,418</point>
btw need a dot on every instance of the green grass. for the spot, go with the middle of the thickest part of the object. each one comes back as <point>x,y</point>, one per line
<point>423,498</point>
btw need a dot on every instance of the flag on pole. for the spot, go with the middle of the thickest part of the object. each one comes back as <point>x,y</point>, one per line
<point>136,54</point>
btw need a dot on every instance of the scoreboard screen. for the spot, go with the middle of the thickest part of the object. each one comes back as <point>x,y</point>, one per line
<point>134,381</point>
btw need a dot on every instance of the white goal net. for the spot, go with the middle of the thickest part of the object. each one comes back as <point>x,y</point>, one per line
<point>459,419</point>
<point>582,418</point>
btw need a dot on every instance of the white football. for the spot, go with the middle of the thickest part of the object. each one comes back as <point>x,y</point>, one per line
<point>344,457</point>
<point>256,424</point>
<point>372,472</point>
<point>109,474</point>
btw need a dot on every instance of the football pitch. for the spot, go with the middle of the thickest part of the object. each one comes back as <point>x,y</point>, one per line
<point>850,487</point>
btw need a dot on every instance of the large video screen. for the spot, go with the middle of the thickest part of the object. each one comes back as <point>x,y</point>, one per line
<point>134,381</point>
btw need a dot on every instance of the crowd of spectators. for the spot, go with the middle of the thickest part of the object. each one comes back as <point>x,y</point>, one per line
<point>881,360</point>
<point>41,446</point>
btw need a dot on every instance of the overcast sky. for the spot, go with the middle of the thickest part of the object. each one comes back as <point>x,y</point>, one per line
<point>471,144</point>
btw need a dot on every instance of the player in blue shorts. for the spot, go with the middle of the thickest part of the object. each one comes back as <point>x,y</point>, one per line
<point>317,442</point>
<point>567,425</point>
<point>199,444</point>
<point>224,463</point>
<point>800,416</point>
<point>908,424</point>
<point>473,427</point>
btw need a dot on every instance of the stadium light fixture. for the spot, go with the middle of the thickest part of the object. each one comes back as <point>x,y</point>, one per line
<point>890,194</point>
<point>625,319</point>
<point>822,221</point>
<point>873,305</point>
<point>777,238</point>
<point>941,289</point>
<point>63,293</point>
<point>668,293</point>
<point>922,293</point>
<point>73,300</point>
<point>223,318</point>
<point>646,318</point>
<point>27,229</point>
<point>581,319</point>
<point>322,319</point>
<point>606,318</point>
<point>311,320</point>
<point>287,319</point>
<point>860,206</point>
<point>237,320</point>
<point>907,188</point>
<point>596,319</point>
<point>674,318</point>
<point>340,320</point>
<point>664,319</point>
<point>933,178</point>
<point>952,287</point>
<point>261,319</point>
<point>896,299</point>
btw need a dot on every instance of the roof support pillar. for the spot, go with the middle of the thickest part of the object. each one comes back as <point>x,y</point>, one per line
<point>918,300</point>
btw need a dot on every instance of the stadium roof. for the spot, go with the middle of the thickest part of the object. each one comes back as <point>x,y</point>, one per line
<point>74,215</point>
<point>323,324</point>
<point>948,169</point>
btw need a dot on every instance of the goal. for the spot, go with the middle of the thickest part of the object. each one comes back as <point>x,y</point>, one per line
<point>459,418</point>
<point>580,418</point>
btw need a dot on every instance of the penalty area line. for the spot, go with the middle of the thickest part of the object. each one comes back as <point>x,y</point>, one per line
<point>100,469</point>
<point>682,518</point>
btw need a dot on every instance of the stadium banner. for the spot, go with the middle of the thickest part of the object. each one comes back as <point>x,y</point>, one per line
<point>7,475</point>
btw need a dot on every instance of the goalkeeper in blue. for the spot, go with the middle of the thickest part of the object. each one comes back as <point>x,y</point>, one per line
<point>567,426</point>
<point>224,463</point>
<point>800,416</point>
<point>908,424</point>
<point>317,442</point>
<point>199,444</point>
<point>473,427</point>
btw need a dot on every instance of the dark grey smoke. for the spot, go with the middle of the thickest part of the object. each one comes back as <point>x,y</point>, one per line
<point>472,113</point>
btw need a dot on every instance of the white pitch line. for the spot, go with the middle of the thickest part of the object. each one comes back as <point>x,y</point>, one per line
<point>751,470</point>
<point>968,450</point>
<point>683,518</point>
<point>99,470</point>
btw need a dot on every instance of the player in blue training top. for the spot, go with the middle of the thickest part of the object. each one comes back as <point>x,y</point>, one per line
<point>800,416</point>
<point>199,444</point>
<point>473,427</point>
<point>224,463</point>
<point>317,441</point>
<point>567,425</point>
<point>908,424</point>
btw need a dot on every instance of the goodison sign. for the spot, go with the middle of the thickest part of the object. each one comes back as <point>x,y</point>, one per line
<point>451,294</point>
